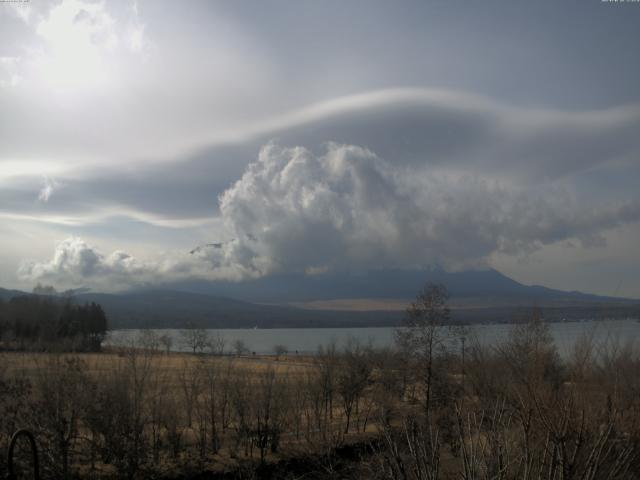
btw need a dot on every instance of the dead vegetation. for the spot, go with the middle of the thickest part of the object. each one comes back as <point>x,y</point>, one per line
<point>420,411</point>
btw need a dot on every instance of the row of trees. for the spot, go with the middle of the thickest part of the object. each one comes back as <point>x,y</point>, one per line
<point>35,321</point>
<point>197,341</point>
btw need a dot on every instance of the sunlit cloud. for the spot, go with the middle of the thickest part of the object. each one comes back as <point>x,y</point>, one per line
<point>77,37</point>
<point>79,45</point>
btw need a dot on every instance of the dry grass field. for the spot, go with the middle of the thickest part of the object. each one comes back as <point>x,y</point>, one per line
<point>179,411</point>
<point>29,363</point>
<point>510,411</point>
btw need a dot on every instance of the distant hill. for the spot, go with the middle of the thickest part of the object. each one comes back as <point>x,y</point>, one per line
<point>479,296</point>
<point>8,294</point>
<point>174,309</point>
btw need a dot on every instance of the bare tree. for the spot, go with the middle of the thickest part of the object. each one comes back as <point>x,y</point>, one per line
<point>59,406</point>
<point>240,347</point>
<point>530,354</point>
<point>410,451</point>
<point>190,386</point>
<point>280,350</point>
<point>241,404</point>
<point>195,339</point>
<point>173,425</point>
<point>327,361</point>
<point>148,340</point>
<point>119,412</point>
<point>268,412</point>
<point>157,405</point>
<point>214,399</point>
<point>354,374</point>
<point>166,341</point>
<point>217,344</point>
<point>422,334</point>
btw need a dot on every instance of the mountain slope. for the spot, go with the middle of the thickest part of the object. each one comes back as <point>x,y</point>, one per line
<point>490,286</point>
<point>476,296</point>
<point>8,294</point>
<point>173,309</point>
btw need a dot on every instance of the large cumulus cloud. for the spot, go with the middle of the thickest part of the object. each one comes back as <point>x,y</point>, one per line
<point>348,208</point>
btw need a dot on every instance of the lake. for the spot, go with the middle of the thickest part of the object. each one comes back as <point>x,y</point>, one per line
<point>307,340</point>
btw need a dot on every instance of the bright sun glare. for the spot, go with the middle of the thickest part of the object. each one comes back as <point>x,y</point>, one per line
<point>79,39</point>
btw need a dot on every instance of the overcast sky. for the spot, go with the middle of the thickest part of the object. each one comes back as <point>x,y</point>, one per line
<point>310,136</point>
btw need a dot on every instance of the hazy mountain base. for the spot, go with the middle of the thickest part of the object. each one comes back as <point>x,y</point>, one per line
<point>375,298</point>
<point>283,301</point>
<point>176,309</point>
<point>479,286</point>
<point>166,309</point>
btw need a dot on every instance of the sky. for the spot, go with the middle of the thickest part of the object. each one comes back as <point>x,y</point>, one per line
<point>149,142</point>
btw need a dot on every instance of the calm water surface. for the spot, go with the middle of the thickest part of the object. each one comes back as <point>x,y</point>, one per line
<point>307,340</point>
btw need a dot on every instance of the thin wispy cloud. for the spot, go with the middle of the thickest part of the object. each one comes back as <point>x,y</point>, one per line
<point>48,187</point>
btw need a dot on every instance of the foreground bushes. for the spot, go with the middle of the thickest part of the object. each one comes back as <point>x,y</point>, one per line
<point>510,411</point>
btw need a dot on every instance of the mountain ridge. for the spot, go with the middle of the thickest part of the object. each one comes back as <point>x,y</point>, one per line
<point>385,283</point>
<point>279,301</point>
